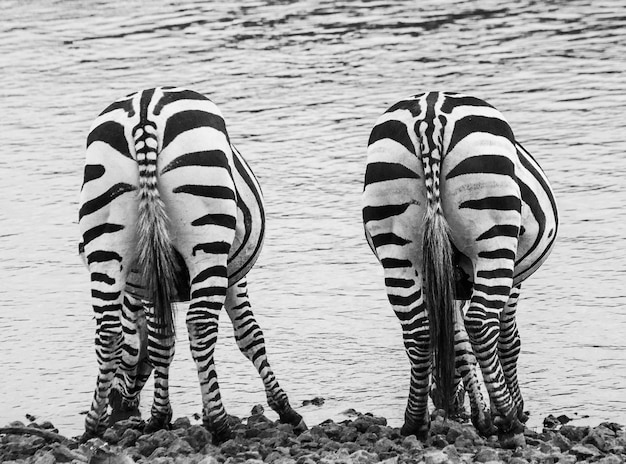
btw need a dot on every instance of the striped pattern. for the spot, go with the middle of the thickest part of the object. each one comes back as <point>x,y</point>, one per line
<point>169,211</point>
<point>455,208</point>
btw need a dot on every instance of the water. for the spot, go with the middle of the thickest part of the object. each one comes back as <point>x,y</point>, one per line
<point>301,84</point>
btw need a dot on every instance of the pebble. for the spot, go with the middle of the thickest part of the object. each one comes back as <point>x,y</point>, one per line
<point>361,439</point>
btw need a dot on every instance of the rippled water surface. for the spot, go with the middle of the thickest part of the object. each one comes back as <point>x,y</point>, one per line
<point>301,84</point>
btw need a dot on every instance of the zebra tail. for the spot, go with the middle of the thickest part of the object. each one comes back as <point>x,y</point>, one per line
<point>439,287</point>
<point>156,257</point>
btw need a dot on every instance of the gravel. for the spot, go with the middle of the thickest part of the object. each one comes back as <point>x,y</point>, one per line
<point>362,439</point>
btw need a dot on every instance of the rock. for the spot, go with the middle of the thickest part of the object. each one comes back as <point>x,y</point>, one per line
<point>551,423</point>
<point>611,459</point>
<point>512,441</point>
<point>363,457</point>
<point>412,443</point>
<point>46,458</point>
<point>517,460</point>
<point>349,434</point>
<point>384,445</point>
<point>562,442</point>
<point>438,441</point>
<point>435,457</point>
<point>208,460</point>
<point>585,451</point>
<point>181,423</point>
<point>485,454</point>
<point>198,437</point>
<point>178,447</point>
<point>574,433</point>
<point>317,401</point>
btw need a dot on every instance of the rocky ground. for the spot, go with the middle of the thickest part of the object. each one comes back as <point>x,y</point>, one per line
<point>361,439</point>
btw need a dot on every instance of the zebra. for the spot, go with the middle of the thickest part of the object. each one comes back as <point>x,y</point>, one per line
<point>454,208</point>
<point>169,211</point>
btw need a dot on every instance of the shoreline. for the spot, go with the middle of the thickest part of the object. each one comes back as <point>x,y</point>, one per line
<point>361,438</point>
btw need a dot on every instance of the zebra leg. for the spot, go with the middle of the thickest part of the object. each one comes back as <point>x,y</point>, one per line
<point>466,367</point>
<point>509,346</point>
<point>252,344</point>
<point>124,397</point>
<point>403,284</point>
<point>160,354</point>
<point>107,283</point>
<point>483,326</point>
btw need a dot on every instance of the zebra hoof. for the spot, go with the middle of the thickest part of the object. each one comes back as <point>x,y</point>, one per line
<point>295,419</point>
<point>221,434</point>
<point>420,431</point>
<point>158,423</point>
<point>509,424</point>
<point>484,425</point>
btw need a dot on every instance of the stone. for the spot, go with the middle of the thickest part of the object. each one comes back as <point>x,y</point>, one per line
<point>129,438</point>
<point>412,443</point>
<point>512,441</point>
<point>611,459</point>
<point>517,460</point>
<point>561,442</point>
<point>208,460</point>
<point>485,454</point>
<point>47,458</point>
<point>585,451</point>
<point>181,423</point>
<point>198,437</point>
<point>435,457</point>
<point>574,433</point>
<point>179,446</point>
<point>363,457</point>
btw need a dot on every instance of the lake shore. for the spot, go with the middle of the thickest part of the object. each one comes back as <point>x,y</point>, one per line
<point>362,439</point>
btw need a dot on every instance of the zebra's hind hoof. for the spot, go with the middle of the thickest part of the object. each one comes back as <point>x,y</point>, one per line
<point>300,427</point>
<point>157,423</point>
<point>222,435</point>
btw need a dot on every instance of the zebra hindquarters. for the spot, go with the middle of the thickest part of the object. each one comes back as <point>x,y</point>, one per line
<point>107,218</point>
<point>199,194</point>
<point>482,204</point>
<point>393,211</point>
<point>251,343</point>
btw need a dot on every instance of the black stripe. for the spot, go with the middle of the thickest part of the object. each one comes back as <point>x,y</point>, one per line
<point>105,296</point>
<point>170,97</point>
<point>208,292</point>
<point>214,248</point>
<point>394,130</point>
<point>495,274</point>
<point>499,230</point>
<point>100,277</point>
<point>211,158</point>
<point>503,203</point>
<point>213,271</point>
<point>376,213</point>
<point>93,172</point>
<point>393,263</point>
<point>191,119</point>
<point>103,200</point>
<point>97,231</point>
<point>484,164</point>
<point>388,239</point>
<point>493,289</point>
<point>103,256</point>
<point>451,102</point>
<point>209,191</point>
<point>472,124</point>
<point>399,283</point>
<point>501,253</point>
<point>126,105</point>
<point>380,172</point>
<point>243,168</point>
<point>111,133</point>
<point>224,220</point>
<point>413,106</point>
<point>404,300</point>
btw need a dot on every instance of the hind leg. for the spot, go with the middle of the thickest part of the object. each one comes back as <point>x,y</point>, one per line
<point>252,344</point>
<point>124,397</point>
<point>509,346</point>
<point>161,348</point>
<point>490,295</point>
<point>107,282</point>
